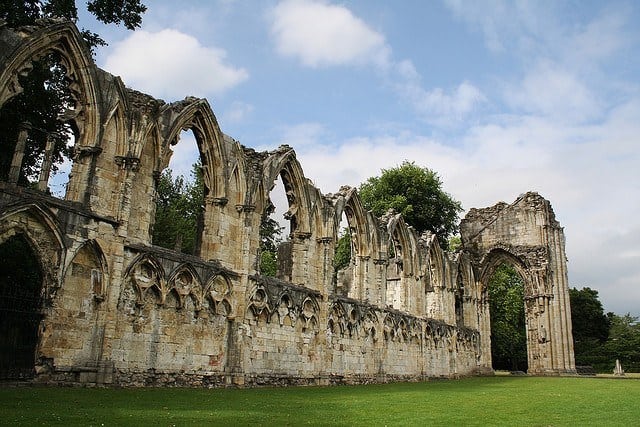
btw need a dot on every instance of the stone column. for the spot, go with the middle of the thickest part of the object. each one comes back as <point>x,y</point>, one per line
<point>300,260</point>
<point>18,155</point>
<point>324,269</point>
<point>46,165</point>
<point>128,168</point>
<point>380,281</point>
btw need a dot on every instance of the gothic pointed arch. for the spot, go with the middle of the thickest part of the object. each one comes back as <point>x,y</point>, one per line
<point>463,287</point>
<point>465,272</point>
<point>115,122</point>
<point>185,282</point>
<point>139,185</point>
<point>89,265</point>
<point>337,319</point>
<point>146,275</point>
<point>403,245</point>
<point>196,114</point>
<point>435,264</point>
<point>21,308</point>
<point>284,163</point>
<point>41,230</point>
<point>500,255</point>
<point>367,239</point>
<point>62,38</point>
<point>237,186</point>
<point>259,303</point>
<point>526,235</point>
<point>219,291</point>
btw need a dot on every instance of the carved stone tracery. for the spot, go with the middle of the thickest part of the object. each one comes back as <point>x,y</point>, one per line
<point>421,309</point>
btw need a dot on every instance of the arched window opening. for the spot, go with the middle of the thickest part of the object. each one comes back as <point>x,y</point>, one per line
<point>180,198</point>
<point>395,256</point>
<point>39,129</point>
<point>507,316</point>
<point>20,308</point>
<point>459,300</point>
<point>345,254</point>
<point>272,225</point>
<point>395,268</point>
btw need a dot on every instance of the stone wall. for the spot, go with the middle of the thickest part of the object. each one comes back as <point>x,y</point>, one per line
<point>119,310</point>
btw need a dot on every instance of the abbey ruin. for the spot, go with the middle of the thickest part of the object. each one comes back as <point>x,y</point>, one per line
<point>113,309</point>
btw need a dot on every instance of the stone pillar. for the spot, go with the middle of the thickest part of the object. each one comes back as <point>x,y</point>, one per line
<point>324,269</point>
<point>380,281</point>
<point>18,155</point>
<point>484,327</point>
<point>128,169</point>
<point>560,310</point>
<point>46,165</point>
<point>300,260</point>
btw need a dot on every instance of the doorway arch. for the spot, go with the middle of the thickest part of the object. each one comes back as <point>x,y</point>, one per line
<point>505,293</point>
<point>21,303</point>
<point>527,235</point>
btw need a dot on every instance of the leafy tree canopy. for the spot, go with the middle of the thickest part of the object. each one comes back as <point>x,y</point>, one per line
<point>46,98</point>
<point>415,192</point>
<point>270,234</point>
<point>600,339</point>
<point>624,342</point>
<point>37,109</point>
<point>590,328</point>
<point>127,13</point>
<point>588,317</point>
<point>343,251</point>
<point>270,238</point>
<point>179,208</point>
<point>506,308</point>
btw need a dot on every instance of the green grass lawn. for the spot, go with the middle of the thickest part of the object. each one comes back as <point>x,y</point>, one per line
<point>513,401</point>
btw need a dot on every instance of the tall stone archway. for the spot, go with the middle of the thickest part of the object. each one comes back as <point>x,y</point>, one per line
<point>526,235</point>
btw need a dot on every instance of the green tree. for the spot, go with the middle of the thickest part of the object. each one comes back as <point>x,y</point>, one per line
<point>179,208</point>
<point>46,99</point>
<point>127,13</point>
<point>506,308</point>
<point>417,194</point>
<point>623,343</point>
<point>455,243</point>
<point>268,263</point>
<point>590,327</point>
<point>270,238</point>
<point>587,315</point>
<point>342,257</point>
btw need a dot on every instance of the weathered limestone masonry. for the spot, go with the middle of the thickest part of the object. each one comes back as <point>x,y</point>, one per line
<point>526,235</point>
<point>117,310</point>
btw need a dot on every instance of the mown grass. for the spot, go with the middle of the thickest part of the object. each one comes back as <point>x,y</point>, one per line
<point>513,401</point>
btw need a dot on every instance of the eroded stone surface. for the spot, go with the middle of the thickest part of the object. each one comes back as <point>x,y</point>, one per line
<point>118,310</point>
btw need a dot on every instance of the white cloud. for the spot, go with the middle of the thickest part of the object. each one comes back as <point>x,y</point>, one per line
<point>550,90</point>
<point>237,112</point>
<point>598,39</point>
<point>588,171</point>
<point>172,64</point>
<point>185,154</point>
<point>436,105</point>
<point>321,35</point>
<point>302,135</point>
<point>505,25</point>
<point>454,105</point>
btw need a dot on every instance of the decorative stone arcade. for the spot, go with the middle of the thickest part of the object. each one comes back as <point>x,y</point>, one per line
<point>527,236</point>
<point>114,309</point>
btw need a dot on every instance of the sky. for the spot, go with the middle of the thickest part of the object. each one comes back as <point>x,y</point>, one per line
<point>498,97</point>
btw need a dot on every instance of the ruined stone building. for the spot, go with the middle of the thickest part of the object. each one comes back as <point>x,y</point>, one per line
<point>111,308</point>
